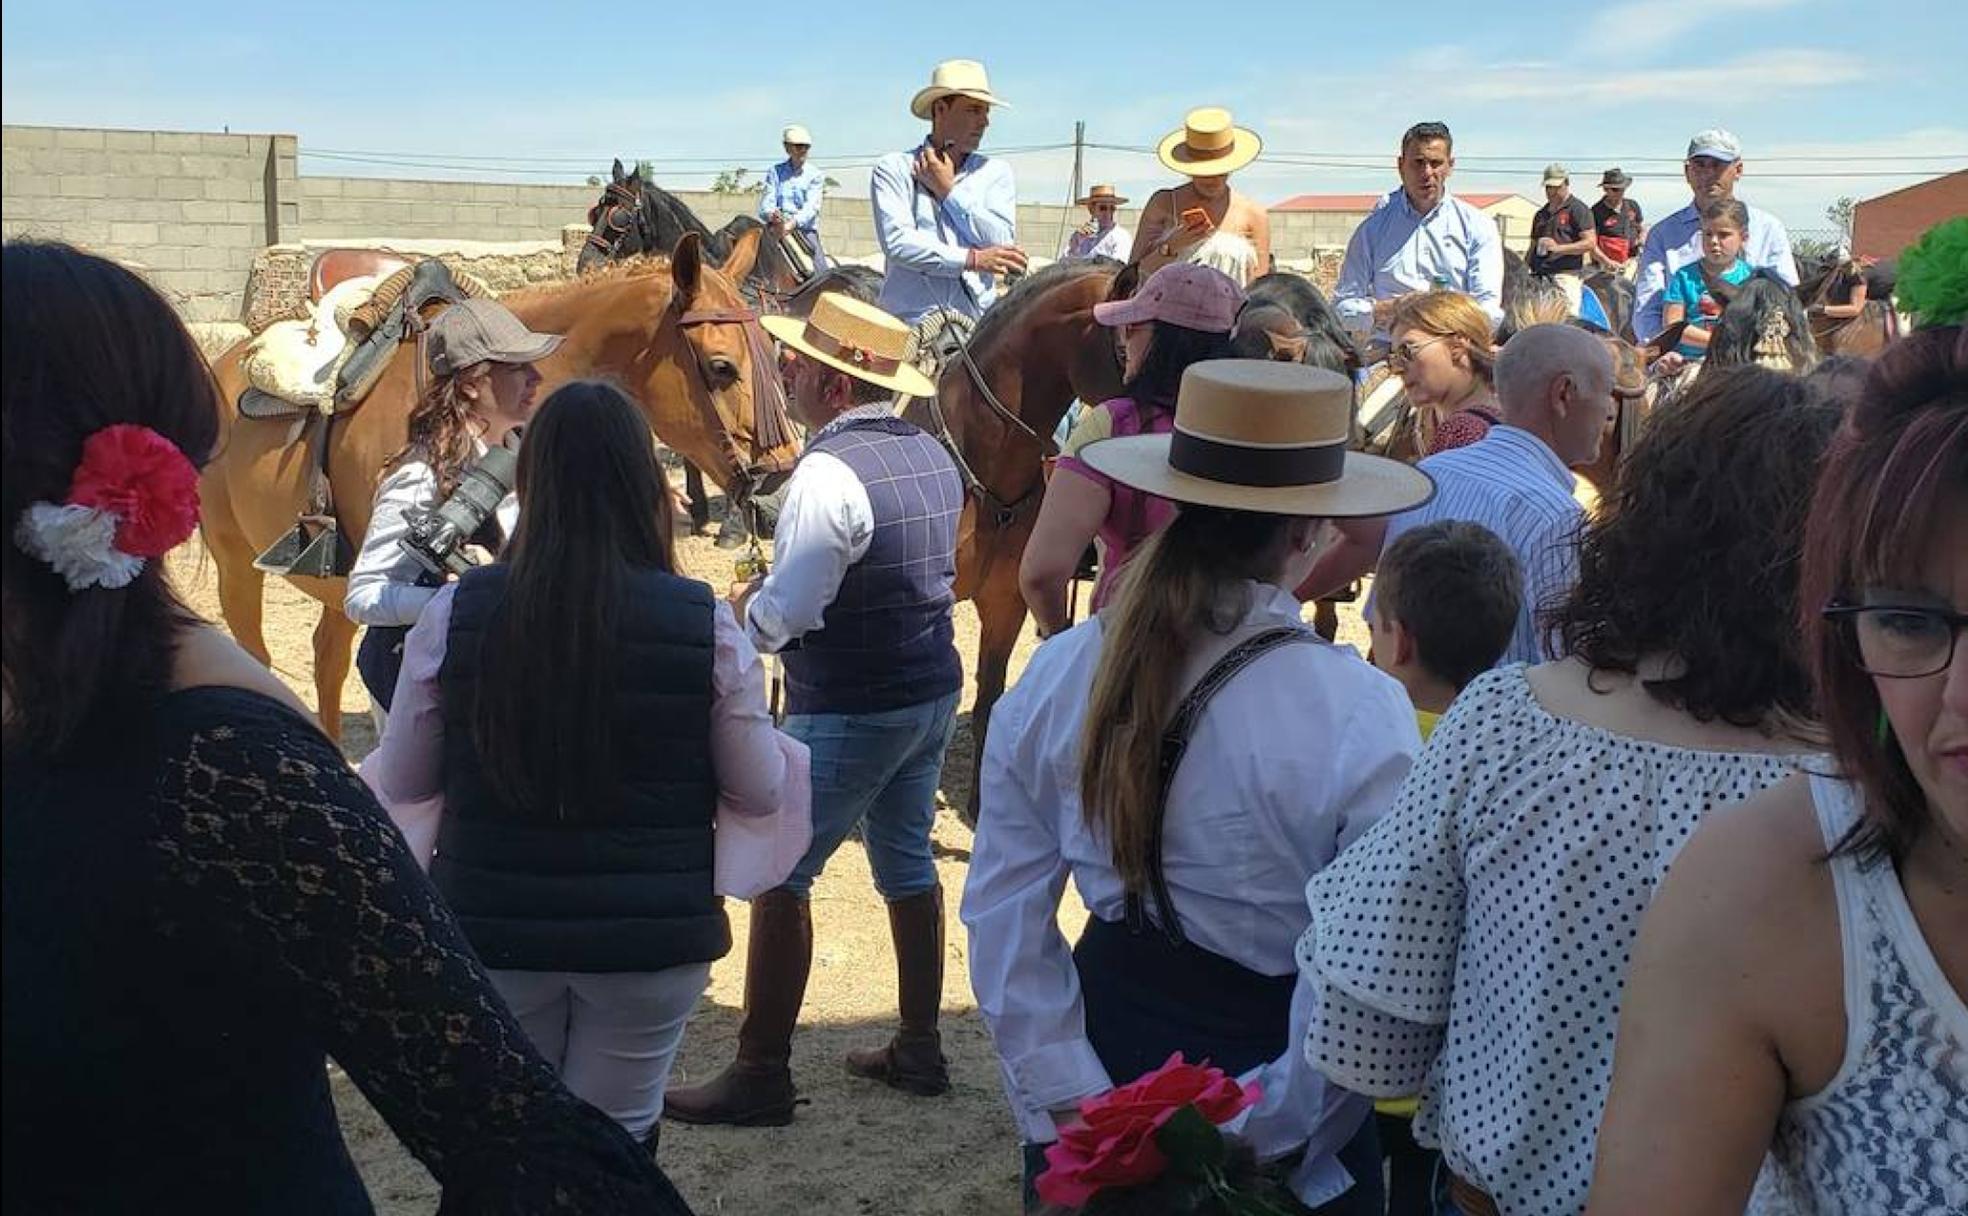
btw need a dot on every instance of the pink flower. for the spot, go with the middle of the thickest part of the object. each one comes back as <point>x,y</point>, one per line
<point>1114,1143</point>
<point>141,478</point>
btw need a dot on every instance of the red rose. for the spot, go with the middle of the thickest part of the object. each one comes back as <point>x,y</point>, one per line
<point>137,475</point>
<point>1114,1143</point>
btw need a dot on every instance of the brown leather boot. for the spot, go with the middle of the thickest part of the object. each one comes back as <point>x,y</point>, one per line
<point>756,1090</point>
<point>913,1060</point>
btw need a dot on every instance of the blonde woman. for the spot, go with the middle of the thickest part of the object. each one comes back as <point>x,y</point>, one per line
<point>1441,350</point>
<point>1206,149</point>
<point>1194,871</point>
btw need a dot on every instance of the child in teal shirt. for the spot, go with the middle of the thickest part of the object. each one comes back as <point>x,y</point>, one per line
<point>1690,294</point>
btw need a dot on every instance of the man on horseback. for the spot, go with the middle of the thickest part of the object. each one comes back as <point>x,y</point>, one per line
<point>858,602</point>
<point>1418,238</point>
<point>945,216</point>
<point>1619,224</point>
<point>1562,234</point>
<point>790,202</point>
<point>1713,167</point>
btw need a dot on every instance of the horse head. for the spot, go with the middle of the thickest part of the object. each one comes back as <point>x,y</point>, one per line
<point>1765,323</point>
<point>1325,339</point>
<point>619,224</point>
<point>727,373</point>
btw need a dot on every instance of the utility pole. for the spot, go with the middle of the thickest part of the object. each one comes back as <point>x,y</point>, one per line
<point>1079,153</point>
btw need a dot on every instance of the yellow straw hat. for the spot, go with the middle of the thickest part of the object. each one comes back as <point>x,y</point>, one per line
<point>1208,144</point>
<point>856,338</point>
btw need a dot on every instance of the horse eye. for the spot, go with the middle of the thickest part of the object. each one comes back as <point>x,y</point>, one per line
<point>723,370</point>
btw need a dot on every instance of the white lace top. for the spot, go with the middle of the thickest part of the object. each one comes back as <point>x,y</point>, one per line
<point>1473,945</point>
<point>1890,1132</point>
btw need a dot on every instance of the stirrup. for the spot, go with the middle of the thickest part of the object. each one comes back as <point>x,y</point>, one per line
<point>310,549</point>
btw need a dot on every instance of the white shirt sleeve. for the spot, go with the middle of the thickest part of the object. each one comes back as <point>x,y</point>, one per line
<point>382,585</point>
<point>1486,265</point>
<point>1021,968</point>
<point>825,526</point>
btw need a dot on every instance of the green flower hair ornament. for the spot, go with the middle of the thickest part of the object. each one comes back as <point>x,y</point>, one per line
<point>1933,280</point>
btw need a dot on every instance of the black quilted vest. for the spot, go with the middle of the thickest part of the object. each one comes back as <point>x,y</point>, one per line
<point>626,886</point>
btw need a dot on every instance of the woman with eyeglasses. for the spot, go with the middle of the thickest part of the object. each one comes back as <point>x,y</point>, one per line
<point>1472,946</point>
<point>1441,351</point>
<point>1797,989</point>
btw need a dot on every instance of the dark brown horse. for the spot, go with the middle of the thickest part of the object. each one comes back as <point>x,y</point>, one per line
<point>1034,351</point>
<point>671,332</point>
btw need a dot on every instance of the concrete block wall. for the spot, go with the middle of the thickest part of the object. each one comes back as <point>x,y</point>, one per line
<point>190,209</point>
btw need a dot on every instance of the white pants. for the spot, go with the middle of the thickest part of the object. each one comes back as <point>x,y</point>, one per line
<point>612,1038</point>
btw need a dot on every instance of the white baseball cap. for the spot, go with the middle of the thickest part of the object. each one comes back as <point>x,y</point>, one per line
<point>1716,144</point>
<point>797,135</point>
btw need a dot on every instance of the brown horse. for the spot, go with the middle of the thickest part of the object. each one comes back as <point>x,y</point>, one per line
<point>672,332</point>
<point>1036,349</point>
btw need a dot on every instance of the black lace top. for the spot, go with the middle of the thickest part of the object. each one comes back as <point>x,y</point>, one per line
<point>196,919</point>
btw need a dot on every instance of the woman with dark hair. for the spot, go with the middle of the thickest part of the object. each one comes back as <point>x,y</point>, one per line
<point>581,711</point>
<point>1182,315</point>
<point>1190,756</point>
<point>482,381</point>
<point>1798,985</point>
<point>203,903</point>
<point>1472,946</point>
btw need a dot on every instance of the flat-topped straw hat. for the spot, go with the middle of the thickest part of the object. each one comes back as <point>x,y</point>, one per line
<point>857,338</point>
<point>1101,194</point>
<point>1254,435</point>
<point>955,78</point>
<point>1208,144</point>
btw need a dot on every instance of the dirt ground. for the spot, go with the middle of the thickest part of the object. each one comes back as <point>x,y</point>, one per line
<point>855,1146</point>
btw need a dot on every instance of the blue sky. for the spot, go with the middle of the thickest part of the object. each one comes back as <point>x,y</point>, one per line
<point>1830,97</point>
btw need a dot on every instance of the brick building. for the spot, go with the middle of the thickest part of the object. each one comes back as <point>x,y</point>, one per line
<point>1883,227</point>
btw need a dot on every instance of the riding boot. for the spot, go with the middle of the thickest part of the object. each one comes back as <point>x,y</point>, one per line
<point>913,1060</point>
<point>757,1090</point>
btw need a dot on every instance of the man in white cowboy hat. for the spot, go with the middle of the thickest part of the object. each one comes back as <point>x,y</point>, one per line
<point>1101,236</point>
<point>1562,235</point>
<point>793,191</point>
<point>1207,148</point>
<point>1713,167</point>
<point>858,602</point>
<point>1419,237</point>
<point>1554,387</point>
<point>946,217</point>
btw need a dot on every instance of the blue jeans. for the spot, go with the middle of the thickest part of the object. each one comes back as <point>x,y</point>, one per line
<point>881,767</point>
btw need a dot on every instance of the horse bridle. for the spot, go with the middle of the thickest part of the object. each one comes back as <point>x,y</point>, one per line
<point>773,427</point>
<point>610,223</point>
<point>1004,511</point>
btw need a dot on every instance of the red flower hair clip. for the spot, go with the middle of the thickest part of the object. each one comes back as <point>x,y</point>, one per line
<point>133,497</point>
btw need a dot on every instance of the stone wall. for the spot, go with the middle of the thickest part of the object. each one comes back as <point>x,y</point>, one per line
<point>278,282</point>
<point>188,209</point>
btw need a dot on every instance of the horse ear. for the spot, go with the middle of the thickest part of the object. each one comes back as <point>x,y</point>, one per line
<point>744,254</point>
<point>1125,282</point>
<point>687,265</point>
<point>615,171</point>
<point>1286,350</point>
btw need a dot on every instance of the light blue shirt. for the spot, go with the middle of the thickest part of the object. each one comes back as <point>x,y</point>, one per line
<point>795,194</point>
<point>1676,242</point>
<point>926,243</point>
<point>1512,483</point>
<point>1397,249</point>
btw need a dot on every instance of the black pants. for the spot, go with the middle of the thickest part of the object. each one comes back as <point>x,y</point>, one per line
<point>379,659</point>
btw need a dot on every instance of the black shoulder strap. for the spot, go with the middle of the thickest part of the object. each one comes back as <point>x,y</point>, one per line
<point>1175,744</point>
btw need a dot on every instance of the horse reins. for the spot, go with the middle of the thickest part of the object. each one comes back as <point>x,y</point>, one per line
<point>773,427</point>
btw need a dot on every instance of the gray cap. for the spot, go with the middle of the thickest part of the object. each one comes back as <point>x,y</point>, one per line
<point>479,331</point>
<point>1715,144</point>
<point>1556,174</point>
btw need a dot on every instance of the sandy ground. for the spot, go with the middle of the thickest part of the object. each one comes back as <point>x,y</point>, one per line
<point>856,1146</point>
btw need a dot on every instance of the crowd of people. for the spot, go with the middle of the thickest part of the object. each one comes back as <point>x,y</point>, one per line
<point>1628,872</point>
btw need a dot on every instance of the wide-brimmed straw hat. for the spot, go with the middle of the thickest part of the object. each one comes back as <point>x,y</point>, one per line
<point>955,78</point>
<point>1208,144</point>
<point>859,339</point>
<point>1254,435</point>
<point>1101,194</point>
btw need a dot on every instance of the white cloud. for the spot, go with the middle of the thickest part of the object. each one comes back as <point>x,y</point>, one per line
<point>1760,74</point>
<point>1645,26</point>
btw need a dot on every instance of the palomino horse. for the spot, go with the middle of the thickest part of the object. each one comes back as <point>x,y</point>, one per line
<point>676,334</point>
<point>1035,350</point>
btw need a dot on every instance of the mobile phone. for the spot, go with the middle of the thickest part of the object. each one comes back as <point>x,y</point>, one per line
<point>1196,217</point>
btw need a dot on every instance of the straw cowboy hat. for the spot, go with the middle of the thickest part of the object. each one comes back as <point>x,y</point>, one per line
<point>1208,144</point>
<point>797,136</point>
<point>1101,194</point>
<point>955,78</point>
<point>859,339</point>
<point>1254,435</point>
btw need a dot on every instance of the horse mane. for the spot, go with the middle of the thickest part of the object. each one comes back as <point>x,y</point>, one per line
<point>1302,298</point>
<point>1009,307</point>
<point>642,265</point>
<point>1764,304</point>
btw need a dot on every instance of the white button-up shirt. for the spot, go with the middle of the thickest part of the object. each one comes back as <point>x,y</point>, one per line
<point>1290,762</point>
<point>1113,242</point>
<point>825,525</point>
<point>1676,241</point>
<point>926,242</point>
<point>1397,249</point>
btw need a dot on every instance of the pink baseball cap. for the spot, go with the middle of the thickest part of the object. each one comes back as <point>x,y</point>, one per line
<point>1181,293</point>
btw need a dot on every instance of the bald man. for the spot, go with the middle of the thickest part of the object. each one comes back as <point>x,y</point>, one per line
<point>1554,388</point>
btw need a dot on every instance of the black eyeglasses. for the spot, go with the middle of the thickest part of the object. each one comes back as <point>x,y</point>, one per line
<point>1901,641</point>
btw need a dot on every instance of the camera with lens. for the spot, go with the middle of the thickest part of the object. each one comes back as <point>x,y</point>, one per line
<point>438,535</point>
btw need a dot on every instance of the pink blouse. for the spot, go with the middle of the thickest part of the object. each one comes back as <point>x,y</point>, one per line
<point>1133,515</point>
<point>406,771</point>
